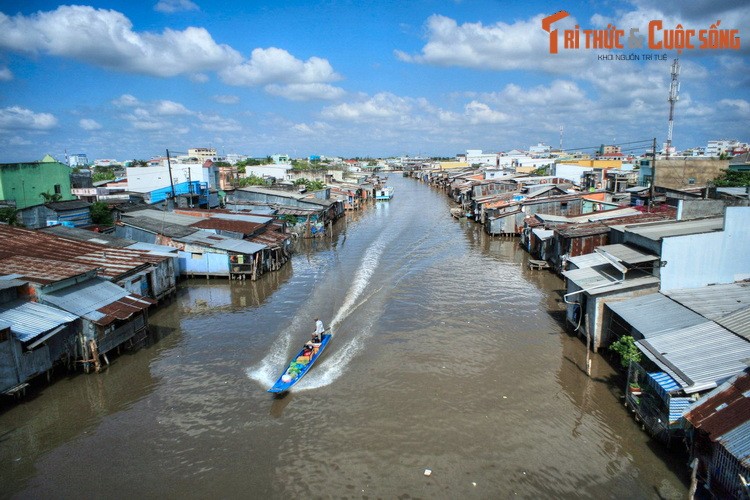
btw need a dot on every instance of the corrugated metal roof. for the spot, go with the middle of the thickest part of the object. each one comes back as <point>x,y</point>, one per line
<point>543,234</point>
<point>152,247</point>
<point>156,226</point>
<point>113,262</point>
<point>164,217</point>
<point>28,320</point>
<point>235,226</point>
<point>714,301</point>
<point>43,271</point>
<point>587,260</point>
<point>655,314</point>
<point>737,322</point>
<point>258,219</point>
<point>724,414</point>
<point>98,300</point>
<point>627,255</point>
<point>79,234</point>
<point>211,240</point>
<point>737,442</point>
<point>599,280</point>
<point>698,357</point>
<point>657,231</point>
<point>11,283</point>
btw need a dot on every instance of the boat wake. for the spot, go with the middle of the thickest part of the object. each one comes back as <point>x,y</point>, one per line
<point>347,346</point>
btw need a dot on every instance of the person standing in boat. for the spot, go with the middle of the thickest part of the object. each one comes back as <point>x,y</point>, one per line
<point>317,335</point>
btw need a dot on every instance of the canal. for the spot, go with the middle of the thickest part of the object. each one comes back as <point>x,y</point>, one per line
<point>448,355</point>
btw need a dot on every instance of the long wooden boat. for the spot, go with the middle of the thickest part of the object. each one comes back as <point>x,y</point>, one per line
<point>299,366</point>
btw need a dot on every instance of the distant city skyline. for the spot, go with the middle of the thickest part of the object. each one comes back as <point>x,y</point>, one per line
<point>128,80</point>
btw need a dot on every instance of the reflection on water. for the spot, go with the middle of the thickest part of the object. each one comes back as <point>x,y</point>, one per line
<point>448,354</point>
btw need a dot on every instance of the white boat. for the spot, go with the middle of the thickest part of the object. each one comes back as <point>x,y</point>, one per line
<point>384,193</point>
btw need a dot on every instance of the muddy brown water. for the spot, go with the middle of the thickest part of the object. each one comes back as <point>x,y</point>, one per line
<point>447,355</point>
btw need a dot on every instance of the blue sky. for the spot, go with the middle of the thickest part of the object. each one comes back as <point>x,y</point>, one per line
<point>124,80</point>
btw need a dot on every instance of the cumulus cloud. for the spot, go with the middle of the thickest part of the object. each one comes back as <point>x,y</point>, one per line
<point>479,112</point>
<point>306,91</point>
<point>498,46</point>
<point>106,38</point>
<point>172,6</point>
<point>89,124</point>
<point>6,75</point>
<point>277,66</point>
<point>18,118</point>
<point>126,100</point>
<point>168,108</point>
<point>226,99</point>
<point>216,123</point>
<point>739,106</point>
<point>378,107</point>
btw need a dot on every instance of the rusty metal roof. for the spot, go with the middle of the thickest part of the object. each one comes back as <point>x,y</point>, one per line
<point>43,271</point>
<point>724,414</point>
<point>235,226</point>
<point>113,262</point>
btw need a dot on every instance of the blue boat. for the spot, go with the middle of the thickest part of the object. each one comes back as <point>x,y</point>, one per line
<point>299,366</point>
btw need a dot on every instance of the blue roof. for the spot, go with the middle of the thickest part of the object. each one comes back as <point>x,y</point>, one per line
<point>29,320</point>
<point>737,442</point>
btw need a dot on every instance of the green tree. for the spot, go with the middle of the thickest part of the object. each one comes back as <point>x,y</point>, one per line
<point>733,178</point>
<point>50,198</point>
<point>626,348</point>
<point>253,180</point>
<point>9,215</point>
<point>101,214</point>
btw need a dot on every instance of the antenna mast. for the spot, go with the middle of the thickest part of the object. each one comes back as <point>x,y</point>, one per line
<point>674,88</point>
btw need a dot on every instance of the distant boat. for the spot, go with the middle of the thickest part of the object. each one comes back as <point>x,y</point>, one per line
<point>299,366</point>
<point>384,193</point>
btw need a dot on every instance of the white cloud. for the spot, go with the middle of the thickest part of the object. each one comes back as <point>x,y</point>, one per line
<point>377,107</point>
<point>89,124</point>
<point>226,99</point>
<point>739,106</point>
<point>106,38</point>
<point>126,100</point>
<point>18,118</point>
<point>6,74</point>
<point>479,112</point>
<point>199,78</point>
<point>306,91</point>
<point>216,123</point>
<point>277,66</point>
<point>172,6</point>
<point>498,46</point>
<point>170,108</point>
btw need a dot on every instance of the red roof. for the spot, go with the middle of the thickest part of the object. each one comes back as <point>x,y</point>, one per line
<point>724,409</point>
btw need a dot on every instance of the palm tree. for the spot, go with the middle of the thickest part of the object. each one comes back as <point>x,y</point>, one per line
<point>49,198</point>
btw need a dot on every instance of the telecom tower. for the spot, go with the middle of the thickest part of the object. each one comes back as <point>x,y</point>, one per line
<point>674,88</point>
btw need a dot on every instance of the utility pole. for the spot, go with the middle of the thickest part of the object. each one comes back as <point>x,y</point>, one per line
<point>169,166</point>
<point>674,88</point>
<point>652,192</point>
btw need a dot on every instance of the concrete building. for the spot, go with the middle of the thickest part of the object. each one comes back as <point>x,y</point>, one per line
<point>203,154</point>
<point>78,160</point>
<point>22,184</point>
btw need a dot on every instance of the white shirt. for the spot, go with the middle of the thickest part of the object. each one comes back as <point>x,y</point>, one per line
<point>319,327</point>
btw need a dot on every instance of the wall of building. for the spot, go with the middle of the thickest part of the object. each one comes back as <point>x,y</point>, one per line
<point>23,183</point>
<point>679,173</point>
<point>698,260</point>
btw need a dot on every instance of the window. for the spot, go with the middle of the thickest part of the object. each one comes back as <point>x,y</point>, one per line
<point>58,190</point>
<point>691,180</point>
